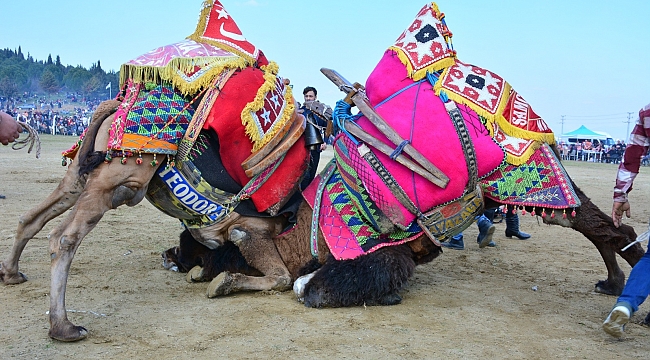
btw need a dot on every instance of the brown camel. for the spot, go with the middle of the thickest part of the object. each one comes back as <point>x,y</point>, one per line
<point>294,251</point>
<point>91,187</point>
<point>113,184</point>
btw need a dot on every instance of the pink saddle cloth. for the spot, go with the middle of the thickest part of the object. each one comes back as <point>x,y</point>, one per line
<point>418,115</point>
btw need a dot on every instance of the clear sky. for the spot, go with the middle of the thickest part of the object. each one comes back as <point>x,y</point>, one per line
<point>586,60</point>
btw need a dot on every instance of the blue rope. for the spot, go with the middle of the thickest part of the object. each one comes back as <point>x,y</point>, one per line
<point>343,112</point>
<point>399,149</point>
<point>399,92</point>
<point>433,78</point>
<point>443,96</point>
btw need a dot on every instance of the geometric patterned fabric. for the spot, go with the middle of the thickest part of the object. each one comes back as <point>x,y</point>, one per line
<point>354,186</point>
<point>159,114</point>
<point>425,46</point>
<point>154,109</point>
<point>541,182</point>
<point>484,91</point>
<point>347,233</point>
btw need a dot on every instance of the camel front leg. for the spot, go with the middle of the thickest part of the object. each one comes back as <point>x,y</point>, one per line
<point>598,227</point>
<point>58,202</point>
<point>257,247</point>
<point>64,242</point>
<point>108,187</point>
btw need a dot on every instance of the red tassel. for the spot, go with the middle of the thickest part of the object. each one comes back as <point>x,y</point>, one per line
<point>138,161</point>
<point>573,213</point>
<point>564,214</point>
<point>553,215</point>
<point>123,160</point>
<point>523,211</point>
<point>532,213</point>
<point>543,214</point>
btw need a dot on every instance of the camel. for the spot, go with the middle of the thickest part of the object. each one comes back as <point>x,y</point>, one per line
<point>275,256</point>
<point>223,268</point>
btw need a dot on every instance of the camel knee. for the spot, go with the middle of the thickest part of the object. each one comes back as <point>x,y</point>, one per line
<point>282,283</point>
<point>65,244</point>
<point>238,236</point>
<point>125,195</point>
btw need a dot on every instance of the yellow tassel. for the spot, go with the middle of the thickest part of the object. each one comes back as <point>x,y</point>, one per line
<point>435,9</point>
<point>520,160</point>
<point>257,104</point>
<point>170,73</point>
<point>420,74</point>
<point>514,131</point>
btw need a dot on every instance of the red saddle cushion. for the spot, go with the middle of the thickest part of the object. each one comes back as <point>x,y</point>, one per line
<point>225,119</point>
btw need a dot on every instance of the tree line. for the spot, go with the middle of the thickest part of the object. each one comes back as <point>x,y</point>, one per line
<point>21,74</point>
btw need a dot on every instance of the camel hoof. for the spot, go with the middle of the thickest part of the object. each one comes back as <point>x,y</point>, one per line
<point>69,334</point>
<point>604,287</point>
<point>221,285</point>
<point>195,275</point>
<point>12,279</point>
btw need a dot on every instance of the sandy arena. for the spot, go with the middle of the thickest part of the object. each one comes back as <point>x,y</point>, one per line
<point>523,299</point>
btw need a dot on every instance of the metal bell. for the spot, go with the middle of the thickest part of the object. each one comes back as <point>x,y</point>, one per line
<point>313,136</point>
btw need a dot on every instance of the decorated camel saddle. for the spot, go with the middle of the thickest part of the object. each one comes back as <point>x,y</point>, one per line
<point>214,108</point>
<point>432,138</point>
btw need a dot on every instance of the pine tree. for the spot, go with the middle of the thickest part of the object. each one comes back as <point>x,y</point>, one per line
<point>48,82</point>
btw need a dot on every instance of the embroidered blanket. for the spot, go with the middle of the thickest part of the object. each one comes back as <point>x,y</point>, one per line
<point>425,50</point>
<point>418,115</point>
<point>347,232</point>
<point>251,107</point>
<point>425,47</point>
<point>150,121</point>
<point>190,65</point>
<point>540,182</point>
<point>408,88</point>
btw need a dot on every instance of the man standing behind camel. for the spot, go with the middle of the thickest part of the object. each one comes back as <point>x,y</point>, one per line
<point>310,94</point>
<point>637,288</point>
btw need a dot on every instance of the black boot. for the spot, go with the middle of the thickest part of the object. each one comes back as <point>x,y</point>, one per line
<point>512,227</point>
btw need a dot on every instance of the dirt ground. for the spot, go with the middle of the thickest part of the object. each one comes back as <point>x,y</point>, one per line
<point>522,299</point>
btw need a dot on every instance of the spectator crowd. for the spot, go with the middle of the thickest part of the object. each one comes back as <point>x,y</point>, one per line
<point>69,115</point>
<point>595,152</point>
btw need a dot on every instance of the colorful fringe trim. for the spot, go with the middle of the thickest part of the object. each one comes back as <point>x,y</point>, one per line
<point>540,182</point>
<point>425,46</point>
<point>188,65</point>
<point>271,95</point>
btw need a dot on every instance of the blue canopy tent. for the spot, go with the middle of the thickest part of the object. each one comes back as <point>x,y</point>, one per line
<point>583,133</point>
